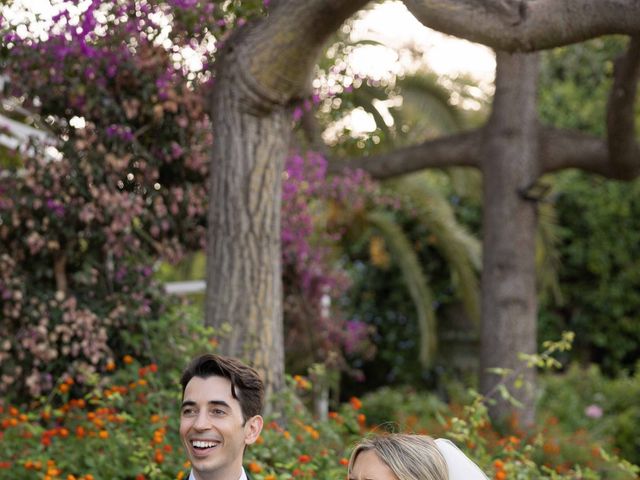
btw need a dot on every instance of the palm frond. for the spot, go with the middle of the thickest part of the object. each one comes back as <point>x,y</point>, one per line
<point>414,278</point>
<point>461,249</point>
<point>547,252</point>
<point>426,108</point>
<point>364,97</point>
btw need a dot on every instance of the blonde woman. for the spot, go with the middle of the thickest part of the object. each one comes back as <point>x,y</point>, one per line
<point>410,457</point>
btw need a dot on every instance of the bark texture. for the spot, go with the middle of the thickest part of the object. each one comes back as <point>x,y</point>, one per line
<point>261,70</point>
<point>510,166</point>
<point>528,25</point>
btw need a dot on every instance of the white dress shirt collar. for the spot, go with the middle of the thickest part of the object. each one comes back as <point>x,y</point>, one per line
<point>243,475</point>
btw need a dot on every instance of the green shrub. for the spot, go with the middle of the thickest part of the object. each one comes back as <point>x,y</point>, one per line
<point>585,399</point>
<point>126,427</point>
<point>382,408</point>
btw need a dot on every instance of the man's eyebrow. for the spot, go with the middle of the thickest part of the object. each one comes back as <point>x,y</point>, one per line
<point>219,403</point>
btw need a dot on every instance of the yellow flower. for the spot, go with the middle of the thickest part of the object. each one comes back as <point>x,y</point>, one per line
<point>378,252</point>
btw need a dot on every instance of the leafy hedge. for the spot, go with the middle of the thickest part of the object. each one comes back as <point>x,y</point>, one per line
<point>126,428</point>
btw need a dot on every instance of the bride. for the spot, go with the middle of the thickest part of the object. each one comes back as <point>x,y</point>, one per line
<point>410,457</point>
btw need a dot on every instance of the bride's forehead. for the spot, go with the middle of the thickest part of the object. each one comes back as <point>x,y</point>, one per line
<point>369,466</point>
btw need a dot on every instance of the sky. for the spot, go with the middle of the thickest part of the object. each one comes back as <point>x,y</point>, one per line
<point>392,24</point>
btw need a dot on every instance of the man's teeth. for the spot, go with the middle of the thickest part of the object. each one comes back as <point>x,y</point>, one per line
<point>201,444</point>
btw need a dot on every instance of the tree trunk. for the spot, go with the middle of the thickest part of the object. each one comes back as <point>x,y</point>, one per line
<point>510,166</point>
<point>263,68</point>
<point>244,284</point>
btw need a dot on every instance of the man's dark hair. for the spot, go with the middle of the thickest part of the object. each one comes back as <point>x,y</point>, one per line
<point>246,384</point>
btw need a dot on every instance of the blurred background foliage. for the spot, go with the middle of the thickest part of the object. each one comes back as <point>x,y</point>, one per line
<point>409,248</point>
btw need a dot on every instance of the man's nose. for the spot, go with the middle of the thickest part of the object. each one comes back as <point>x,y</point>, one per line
<point>203,422</point>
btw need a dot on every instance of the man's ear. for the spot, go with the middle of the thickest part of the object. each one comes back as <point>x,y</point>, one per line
<point>252,429</point>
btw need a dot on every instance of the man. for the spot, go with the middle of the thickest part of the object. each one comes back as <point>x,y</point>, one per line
<point>222,401</point>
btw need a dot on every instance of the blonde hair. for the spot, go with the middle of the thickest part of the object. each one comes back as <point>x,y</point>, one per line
<point>410,457</point>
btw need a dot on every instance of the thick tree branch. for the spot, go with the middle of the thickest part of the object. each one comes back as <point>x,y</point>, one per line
<point>560,149</point>
<point>454,150</point>
<point>312,133</point>
<point>623,149</point>
<point>525,25</point>
<point>277,55</point>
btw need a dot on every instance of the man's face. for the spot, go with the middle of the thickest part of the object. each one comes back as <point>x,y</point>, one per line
<point>212,429</point>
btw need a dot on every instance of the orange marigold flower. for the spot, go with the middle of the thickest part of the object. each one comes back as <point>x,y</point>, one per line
<point>140,477</point>
<point>103,434</point>
<point>127,359</point>
<point>501,475</point>
<point>498,464</point>
<point>344,461</point>
<point>304,458</point>
<point>356,403</point>
<point>159,456</point>
<point>111,366</point>
<point>254,467</point>
<point>64,388</point>
<point>271,476</point>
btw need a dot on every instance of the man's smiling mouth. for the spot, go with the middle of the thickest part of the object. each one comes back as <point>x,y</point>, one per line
<point>204,444</point>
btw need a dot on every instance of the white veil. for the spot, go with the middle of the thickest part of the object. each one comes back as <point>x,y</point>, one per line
<point>459,465</point>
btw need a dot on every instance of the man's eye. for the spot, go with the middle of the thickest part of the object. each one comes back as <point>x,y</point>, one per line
<point>218,412</point>
<point>188,412</point>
